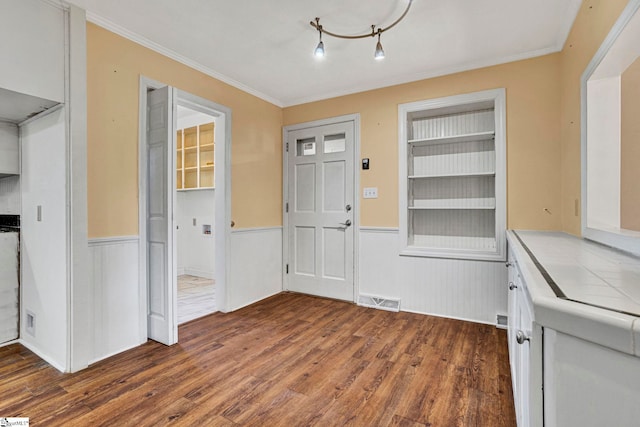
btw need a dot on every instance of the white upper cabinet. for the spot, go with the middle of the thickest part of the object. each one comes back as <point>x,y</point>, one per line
<point>33,49</point>
<point>9,160</point>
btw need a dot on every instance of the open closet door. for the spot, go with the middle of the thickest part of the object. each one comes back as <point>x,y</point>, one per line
<point>161,256</point>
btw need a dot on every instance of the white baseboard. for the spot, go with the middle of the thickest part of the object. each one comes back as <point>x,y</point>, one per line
<point>6,343</point>
<point>113,353</point>
<point>198,273</point>
<point>43,356</point>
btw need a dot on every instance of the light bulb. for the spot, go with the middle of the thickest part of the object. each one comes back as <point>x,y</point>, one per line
<point>379,51</point>
<point>319,52</point>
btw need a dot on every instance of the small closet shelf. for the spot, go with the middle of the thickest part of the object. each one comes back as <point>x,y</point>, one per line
<point>470,137</point>
<point>195,157</point>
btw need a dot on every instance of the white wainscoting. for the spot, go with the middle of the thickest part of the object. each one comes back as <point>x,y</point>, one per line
<point>255,265</point>
<point>461,289</point>
<point>114,277</point>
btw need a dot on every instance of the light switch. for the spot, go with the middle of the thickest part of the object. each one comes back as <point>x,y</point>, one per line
<point>370,193</point>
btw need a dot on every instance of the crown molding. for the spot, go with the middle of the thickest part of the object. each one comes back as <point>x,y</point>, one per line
<point>143,41</point>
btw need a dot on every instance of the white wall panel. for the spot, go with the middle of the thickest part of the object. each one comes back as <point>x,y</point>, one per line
<point>10,195</point>
<point>44,263</point>
<point>462,289</point>
<point>603,153</point>
<point>256,265</point>
<point>115,290</point>
<point>196,250</point>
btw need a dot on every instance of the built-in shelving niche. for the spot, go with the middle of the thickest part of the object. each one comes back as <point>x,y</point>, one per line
<point>194,157</point>
<point>452,176</point>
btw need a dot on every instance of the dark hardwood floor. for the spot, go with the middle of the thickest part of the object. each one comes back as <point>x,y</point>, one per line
<point>290,360</point>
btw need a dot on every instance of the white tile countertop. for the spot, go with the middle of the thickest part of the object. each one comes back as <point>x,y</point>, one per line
<point>581,288</point>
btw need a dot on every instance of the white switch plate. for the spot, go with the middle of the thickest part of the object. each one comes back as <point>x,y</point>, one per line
<point>370,193</point>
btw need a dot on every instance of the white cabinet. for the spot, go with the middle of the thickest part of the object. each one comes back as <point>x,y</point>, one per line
<point>452,175</point>
<point>9,160</point>
<point>520,330</point>
<point>33,49</point>
<point>575,362</point>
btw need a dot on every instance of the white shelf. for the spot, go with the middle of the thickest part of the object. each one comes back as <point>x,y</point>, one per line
<point>453,242</point>
<point>442,204</point>
<point>478,136</point>
<point>196,189</point>
<point>453,175</point>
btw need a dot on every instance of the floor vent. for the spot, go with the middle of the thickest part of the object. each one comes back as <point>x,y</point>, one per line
<point>379,303</point>
<point>501,321</point>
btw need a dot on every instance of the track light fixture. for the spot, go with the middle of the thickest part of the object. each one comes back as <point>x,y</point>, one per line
<point>375,31</point>
<point>319,52</point>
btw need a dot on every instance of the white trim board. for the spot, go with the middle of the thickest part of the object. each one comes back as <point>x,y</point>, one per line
<point>255,229</point>
<point>113,240</point>
<point>145,42</point>
<point>42,355</point>
<point>379,229</point>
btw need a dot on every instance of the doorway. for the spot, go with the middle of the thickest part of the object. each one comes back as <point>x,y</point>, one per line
<point>195,212</point>
<point>184,206</point>
<point>321,207</point>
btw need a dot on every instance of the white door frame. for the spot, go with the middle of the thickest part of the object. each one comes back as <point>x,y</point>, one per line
<point>355,118</point>
<point>222,177</point>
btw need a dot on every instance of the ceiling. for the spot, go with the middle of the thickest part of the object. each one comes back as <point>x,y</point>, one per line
<point>266,47</point>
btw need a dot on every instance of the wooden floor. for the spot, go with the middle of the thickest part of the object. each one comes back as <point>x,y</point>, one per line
<point>290,360</point>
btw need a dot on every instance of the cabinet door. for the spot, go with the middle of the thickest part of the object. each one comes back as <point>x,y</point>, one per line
<point>523,363</point>
<point>9,161</point>
<point>36,51</point>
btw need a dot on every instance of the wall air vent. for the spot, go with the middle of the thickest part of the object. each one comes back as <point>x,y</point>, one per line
<point>389,304</point>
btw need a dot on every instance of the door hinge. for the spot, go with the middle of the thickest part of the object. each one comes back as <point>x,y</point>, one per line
<point>287,147</point>
<point>286,207</point>
<point>287,268</point>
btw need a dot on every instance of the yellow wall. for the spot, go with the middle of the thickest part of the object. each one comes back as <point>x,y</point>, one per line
<point>114,66</point>
<point>630,148</point>
<point>593,23</point>
<point>533,136</point>
<point>543,131</point>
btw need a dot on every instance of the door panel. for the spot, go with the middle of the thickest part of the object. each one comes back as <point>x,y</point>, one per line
<point>333,188</point>
<point>321,185</point>
<point>162,286</point>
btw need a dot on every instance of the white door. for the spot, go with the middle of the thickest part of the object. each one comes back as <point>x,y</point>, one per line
<point>320,215</point>
<point>161,257</point>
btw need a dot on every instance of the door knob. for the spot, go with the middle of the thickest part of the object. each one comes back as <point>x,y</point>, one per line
<point>521,337</point>
<point>512,286</point>
<point>348,208</point>
<point>347,223</point>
